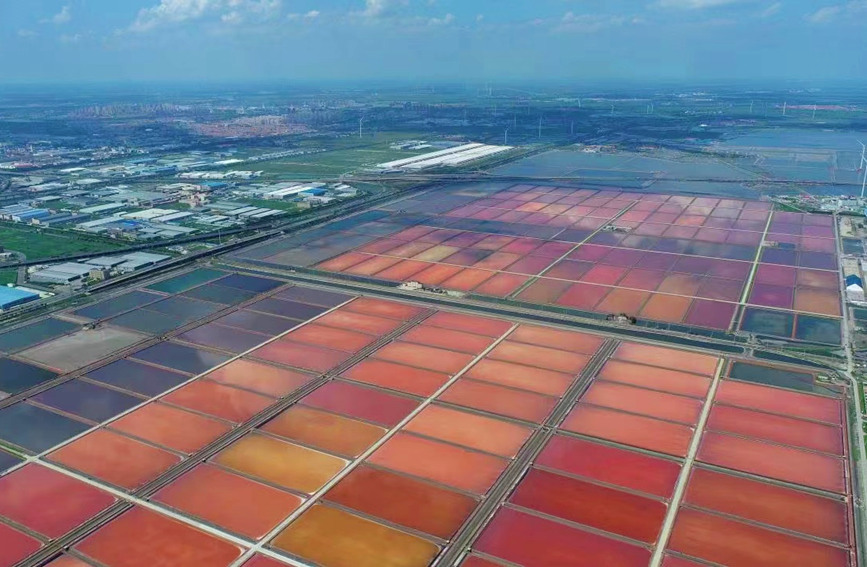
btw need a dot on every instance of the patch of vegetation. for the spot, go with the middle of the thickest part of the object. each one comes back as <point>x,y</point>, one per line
<point>36,244</point>
<point>8,277</point>
<point>287,206</point>
<point>176,206</point>
<point>787,208</point>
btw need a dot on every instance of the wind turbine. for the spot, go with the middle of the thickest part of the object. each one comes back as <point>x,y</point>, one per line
<point>540,127</point>
<point>506,138</point>
<point>360,122</point>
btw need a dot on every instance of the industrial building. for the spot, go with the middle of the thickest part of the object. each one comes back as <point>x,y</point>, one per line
<point>71,272</point>
<point>445,158</point>
<point>23,213</point>
<point>61,274</point>
<point>13,297</point>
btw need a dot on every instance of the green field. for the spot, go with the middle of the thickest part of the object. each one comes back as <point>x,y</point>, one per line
<point>8,277</point>
<point>37,245</point>
<point>287,206</point>
<point>339,158</point>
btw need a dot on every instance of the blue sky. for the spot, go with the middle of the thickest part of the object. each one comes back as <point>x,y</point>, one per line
<point>431,40</point>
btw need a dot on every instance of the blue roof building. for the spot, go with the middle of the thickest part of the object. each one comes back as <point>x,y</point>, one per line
<point>13,297</point>
<point>854,280</point>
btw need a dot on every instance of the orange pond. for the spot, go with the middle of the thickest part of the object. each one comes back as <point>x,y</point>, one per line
<point>661,405</point>
<point>141,538</point>
<point>532,355</point>
<point>235,503</point>
<point>470,430</point>
<point>697,534</point>
<point>330,337</point>
<point>16,546</point>
<point>820,301</point>
<point>467,279</point>
<point>302,356</point>
<point>769,504</point>
<point>335,538</point>
<point>508,402</point>
<point>564,340</point>
<point>115,459</point>
<point>262,378</point>
<point>450,465</point>
<point>402,271</point>
<point>383,308</point>
<point>323,430</point>
<point>669,308</point>
<point>667,358</point>
<point>611,465</point>
<point>398,499</point>
<point>775,461</point>
<point>49,502</point>
<point>583,296</point>
<point>638,431</point>
<point>544,290</point>
<point>436,253</point>
<point>603,508</point>
<point>437,359</point>
<point>657,378</point>
<point>358,322</point>
<point>623,301</point>
<point>537,380</point>
<point>468,323</point>
<point>372,266</point>
<point>502,285</point>
<point>785,430</point>
<point>343,262</point>
<point>436,274</point>
<point>452,340</point>
<point>397,377</point>
<point>232,404</point>
<point>364,403</point>
<point>777,400</point>
<point>171,427</point>
<point>281,463</point>
<point>531,541</point>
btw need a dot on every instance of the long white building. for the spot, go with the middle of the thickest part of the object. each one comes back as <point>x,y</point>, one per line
<point>451,157</point>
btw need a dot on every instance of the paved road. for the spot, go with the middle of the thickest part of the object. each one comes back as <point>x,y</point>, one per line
<point>860,472</point>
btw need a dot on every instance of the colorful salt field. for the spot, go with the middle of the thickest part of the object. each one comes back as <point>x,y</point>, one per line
<point>319,443</point>
<point>665,259</point>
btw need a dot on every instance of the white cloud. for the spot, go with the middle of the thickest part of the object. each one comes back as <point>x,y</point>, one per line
<point>480,18</point>
<point>309,16</point>
<point>696,4</point>
<point>846,11</point>
<point>27,34</point>
<point>382,8</point>
<point>60,18</point>
<point>444,21</point>
<point>230,12</point>
<point>587,23</point>
<point>771,10</point>
<point>232,18</point>
<point>71,38</point>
